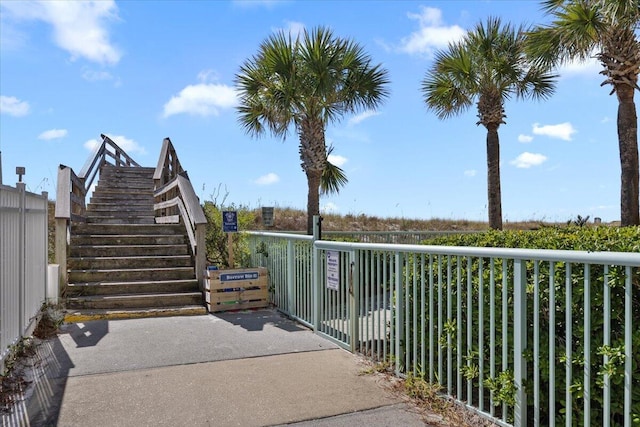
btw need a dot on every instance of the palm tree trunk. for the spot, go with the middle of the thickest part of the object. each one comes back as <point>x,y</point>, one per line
<point>313,155</point>
<point>493,178</point>
<point>629,167</point>
<point>313,197</point>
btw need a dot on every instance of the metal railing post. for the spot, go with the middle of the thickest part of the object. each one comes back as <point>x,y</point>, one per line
<point>317,272</point>
<point>45,200</point>
<point>316,287</point>
<point>21,187</point>
<point>291,302</point>
<point>354,300</point>
<point>399,313</point>
<point>520,341</point>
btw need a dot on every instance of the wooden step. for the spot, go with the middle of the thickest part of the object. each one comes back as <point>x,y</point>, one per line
<point>111,199</point>
<point>94,219</point>
<point>131,274</point>
<point>114,263</point>
<point>127,239</point>
<point>120,209</point>
<point>122,264</point>
<point>122,193</point>
<point>154,300</point>
<point>74,316</point>
<point>125,183</point>
<point>141,287</point>
<point>127,250</point>
<point>127,229</point>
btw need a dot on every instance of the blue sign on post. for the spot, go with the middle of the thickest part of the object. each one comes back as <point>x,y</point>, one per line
<point>230,221</point>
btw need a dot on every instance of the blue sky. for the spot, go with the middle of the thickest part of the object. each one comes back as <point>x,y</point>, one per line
<point>140,71</point>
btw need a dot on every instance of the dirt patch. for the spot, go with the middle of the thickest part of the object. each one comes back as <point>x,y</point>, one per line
<point>427,400</point>
<point>17,374</point>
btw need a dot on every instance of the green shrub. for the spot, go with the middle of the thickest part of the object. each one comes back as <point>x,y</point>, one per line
<point>460,278</point>
<point>217,240</point>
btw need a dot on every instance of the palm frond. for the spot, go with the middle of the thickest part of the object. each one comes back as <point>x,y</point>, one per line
<point>333,177</point>
<point>491,61</point>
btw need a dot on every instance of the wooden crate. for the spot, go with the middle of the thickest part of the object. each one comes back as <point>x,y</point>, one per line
<point>236,289</point>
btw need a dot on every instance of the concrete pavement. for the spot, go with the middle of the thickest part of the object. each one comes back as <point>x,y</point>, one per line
<point>254,368</point>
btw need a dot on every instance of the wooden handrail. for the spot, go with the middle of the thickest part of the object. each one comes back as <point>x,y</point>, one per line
<point>99,158</point>
<point>72,189</point>
<point>71,193</point>
<point>168,166</point>
<point>175,200</point>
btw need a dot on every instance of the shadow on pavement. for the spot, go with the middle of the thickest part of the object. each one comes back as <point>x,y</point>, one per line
<point>257,319</point>
<point>87,334</point>
<point>46,375</point>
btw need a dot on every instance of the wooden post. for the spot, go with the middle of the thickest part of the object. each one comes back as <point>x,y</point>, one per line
<point>63,217</point>
<point>230,249</point>
<point>201,253</point>
<point>62,225</point>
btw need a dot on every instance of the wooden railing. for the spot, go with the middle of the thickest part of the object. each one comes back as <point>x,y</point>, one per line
<point>175,201</point>
<point>108,149</point>
<point>71,194</point>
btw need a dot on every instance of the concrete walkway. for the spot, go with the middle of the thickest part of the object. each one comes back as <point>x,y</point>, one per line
<point>233,369</point>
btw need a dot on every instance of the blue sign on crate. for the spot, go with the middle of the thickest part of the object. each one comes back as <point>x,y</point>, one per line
<point>229,221</point>
<point>230,277</point>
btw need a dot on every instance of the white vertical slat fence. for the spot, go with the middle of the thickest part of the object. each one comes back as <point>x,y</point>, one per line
<point>23,262</point>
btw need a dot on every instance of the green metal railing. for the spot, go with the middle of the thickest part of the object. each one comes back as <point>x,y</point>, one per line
<point>523,337</point>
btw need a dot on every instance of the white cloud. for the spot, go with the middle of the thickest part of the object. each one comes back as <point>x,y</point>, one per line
<point>526,160</point>
<point>362,116</point>
<point>53,134</point>
<point>208,76</point>
<point>293,28</point>
<point>605,119</point>
<point>203,99</point>
<point>329,208</point>
<point>79,27</point>
<point>337,160</point>
<point>13,106</point>
<point>590,67</point>
<point>94,76</point>
<point>128,145</point>
<point>268,179</point>
<point>561,131</point>
<point>525,138</point>
<point>470,172</point>
<point>432,34</point>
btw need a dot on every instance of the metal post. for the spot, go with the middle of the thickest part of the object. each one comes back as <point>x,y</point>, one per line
<point>45,199</point>
<point>354,299</point>
<point>21,187</point>
<point>520,341</point>
<point>316,287</point>
<point>317,227</point>
<point>399,312</point>
<point>291,301</point>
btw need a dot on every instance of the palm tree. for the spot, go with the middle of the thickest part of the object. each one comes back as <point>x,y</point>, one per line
<point>306,83</point>
<point>487,67</point>
<point>333,177</point>
<point>606,28</point>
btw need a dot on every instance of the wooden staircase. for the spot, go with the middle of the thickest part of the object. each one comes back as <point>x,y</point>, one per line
<point>122,264</point>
